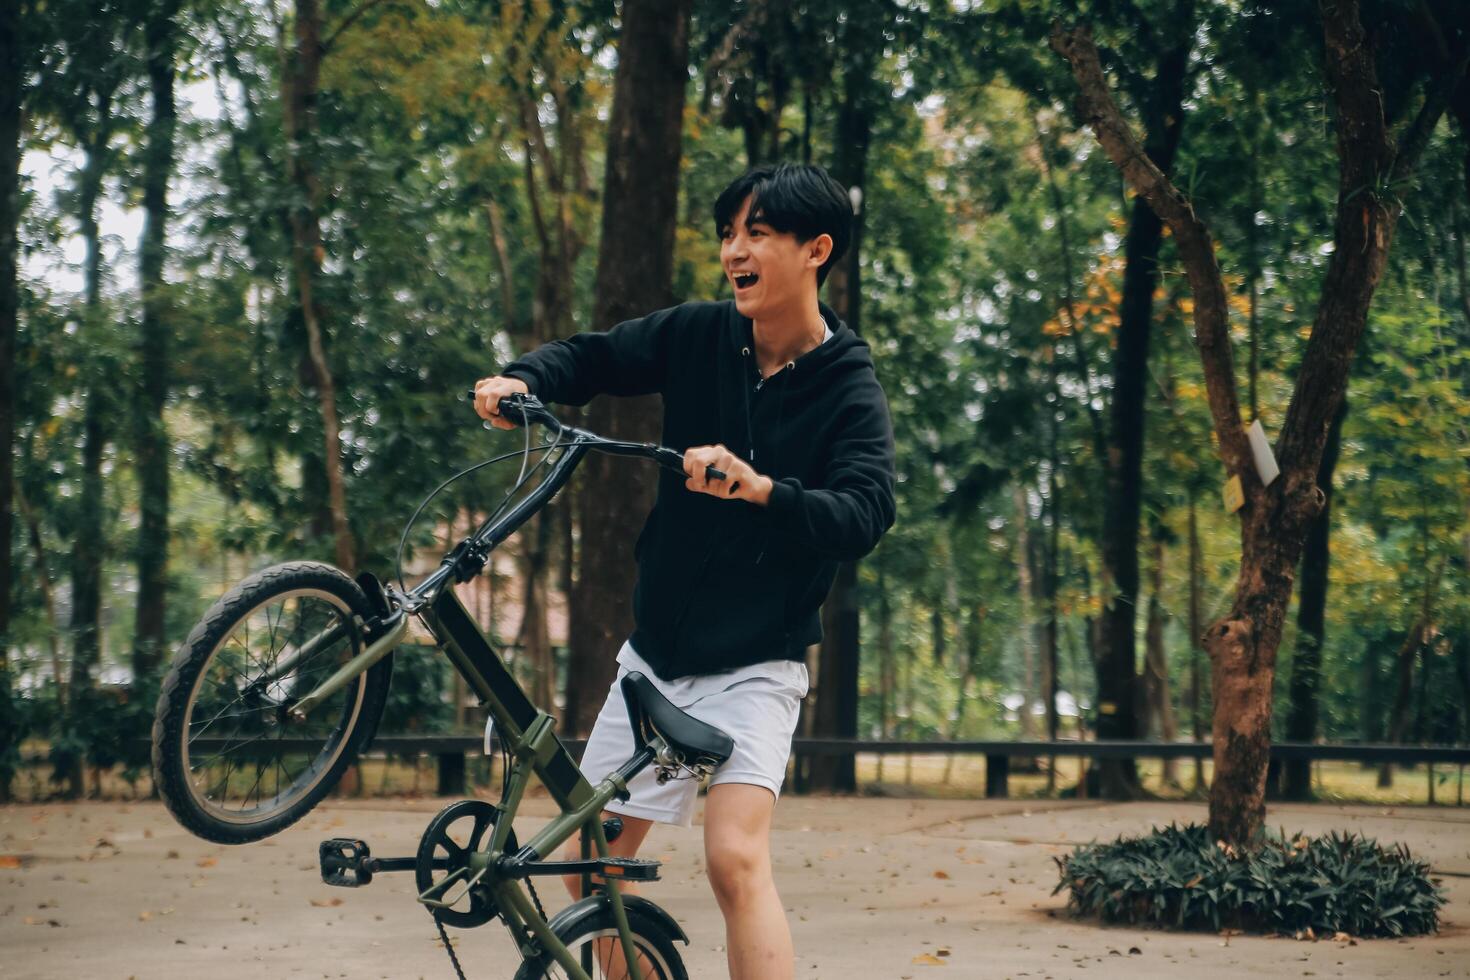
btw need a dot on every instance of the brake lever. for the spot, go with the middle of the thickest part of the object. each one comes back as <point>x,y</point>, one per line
<point>523,409</point>
<point>673,460</point>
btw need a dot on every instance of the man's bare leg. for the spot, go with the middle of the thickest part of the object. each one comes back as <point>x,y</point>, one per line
<point>737,849</point>
<point>635,829</point>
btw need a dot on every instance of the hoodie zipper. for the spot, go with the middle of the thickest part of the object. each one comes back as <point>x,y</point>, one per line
<point>750,433</point>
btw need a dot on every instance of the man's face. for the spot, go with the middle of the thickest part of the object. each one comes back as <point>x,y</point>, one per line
<point>766,268</point>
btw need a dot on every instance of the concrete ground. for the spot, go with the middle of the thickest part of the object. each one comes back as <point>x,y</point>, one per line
<point>877,888</point>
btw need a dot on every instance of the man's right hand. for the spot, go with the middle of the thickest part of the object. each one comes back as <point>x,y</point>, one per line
<point>489,391</point>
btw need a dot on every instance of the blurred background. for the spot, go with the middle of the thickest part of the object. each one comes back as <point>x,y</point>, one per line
<point>265,247</point>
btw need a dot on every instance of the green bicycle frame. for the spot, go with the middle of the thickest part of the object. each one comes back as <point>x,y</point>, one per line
<point>527,731</point>
<point>533,743</point>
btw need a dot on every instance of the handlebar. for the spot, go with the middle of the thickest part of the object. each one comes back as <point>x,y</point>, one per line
<point>524,409</point>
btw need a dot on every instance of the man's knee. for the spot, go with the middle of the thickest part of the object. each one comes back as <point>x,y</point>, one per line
<point>739,867</point>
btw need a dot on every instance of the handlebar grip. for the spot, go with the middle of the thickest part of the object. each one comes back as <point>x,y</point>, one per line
<point>710,473</point>
<point>508,409</point>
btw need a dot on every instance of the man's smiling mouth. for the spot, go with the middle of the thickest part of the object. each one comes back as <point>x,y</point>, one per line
<point>744,280</point>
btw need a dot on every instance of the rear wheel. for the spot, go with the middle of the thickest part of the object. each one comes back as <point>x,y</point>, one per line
<point>228,759</point>
<point>594,942</point>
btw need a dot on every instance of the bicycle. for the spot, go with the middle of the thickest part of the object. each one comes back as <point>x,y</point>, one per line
<point>285,712</point>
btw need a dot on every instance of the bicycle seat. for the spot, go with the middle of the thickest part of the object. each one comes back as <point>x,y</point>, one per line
<point>653,714</point>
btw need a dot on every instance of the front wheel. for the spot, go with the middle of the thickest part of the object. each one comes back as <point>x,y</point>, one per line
<point>593,941</point>
<point>230,762</point>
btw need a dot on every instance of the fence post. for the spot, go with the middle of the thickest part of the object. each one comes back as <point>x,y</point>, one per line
<point>997,777</point>
<point>451,773</point>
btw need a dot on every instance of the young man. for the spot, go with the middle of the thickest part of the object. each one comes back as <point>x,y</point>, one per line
<point>779,394</point>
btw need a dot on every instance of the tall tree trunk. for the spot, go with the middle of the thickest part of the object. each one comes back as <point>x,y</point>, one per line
<point>151,438</point>
<point>887,680</point>
<point>11,84</point>
<point>534,639</point>
<point>301,79</point>
<point>1403,686</point>
<point>1050,665</point>
<point>1462,671</point>
<point>88,542</point>
<point>1196,640</point>
<point>1415,643</point>
<point>48,599</point>
<point>970,632</point>
<point>1156,665</point>
<point>838,663</point>
<point>1117,681</point>
<point>635,268</point>
<point>1243,643</point>
<point>1027,592</point>
<point>1306,661</point>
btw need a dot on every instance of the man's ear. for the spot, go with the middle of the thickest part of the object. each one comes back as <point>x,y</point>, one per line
<point>818,250</point>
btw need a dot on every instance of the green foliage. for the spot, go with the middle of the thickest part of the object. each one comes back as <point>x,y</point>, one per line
<point>1181,877</point>
<point>418,700</point>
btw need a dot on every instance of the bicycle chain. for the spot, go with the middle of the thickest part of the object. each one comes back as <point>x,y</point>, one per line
<point>449,948</point>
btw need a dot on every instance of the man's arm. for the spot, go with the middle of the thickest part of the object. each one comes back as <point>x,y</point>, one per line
<point>629,359</point>
<point>845,519</point>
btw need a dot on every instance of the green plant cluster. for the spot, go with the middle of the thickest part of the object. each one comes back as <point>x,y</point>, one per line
<point>1182,877</point>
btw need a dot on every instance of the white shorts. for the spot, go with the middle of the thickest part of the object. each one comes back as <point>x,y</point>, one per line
<point>757,706</point>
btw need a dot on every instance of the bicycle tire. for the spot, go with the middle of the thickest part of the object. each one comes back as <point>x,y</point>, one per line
<point>346,723</point>
<point>651,938</point>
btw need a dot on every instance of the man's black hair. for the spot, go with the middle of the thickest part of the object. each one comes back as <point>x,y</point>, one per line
<point>800,199</point>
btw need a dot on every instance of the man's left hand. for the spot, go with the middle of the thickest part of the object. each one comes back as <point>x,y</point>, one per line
<point>741,481</point>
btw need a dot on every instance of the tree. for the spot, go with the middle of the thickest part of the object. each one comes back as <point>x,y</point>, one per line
<point>1119,693</point>
<point>634,276</point>
<point>12,76</point>
<point>151,442</point>
<point>1306,661</point>
<point>300,83</point>
<point>1375,163</point>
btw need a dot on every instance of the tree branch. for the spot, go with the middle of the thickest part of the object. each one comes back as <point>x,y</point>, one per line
<point>1098,110</point>
<point>1416,136</point>
<point>347,21</point>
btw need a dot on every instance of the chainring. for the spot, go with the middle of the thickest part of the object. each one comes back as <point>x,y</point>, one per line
<point>463,821</point>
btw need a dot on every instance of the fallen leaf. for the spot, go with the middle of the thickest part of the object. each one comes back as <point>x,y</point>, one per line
<point>926,959</point>
<point>207,862</point>
<point>941,874</point>
<point>326,903</point>
<point>144,915</point>
<point>9,860</point>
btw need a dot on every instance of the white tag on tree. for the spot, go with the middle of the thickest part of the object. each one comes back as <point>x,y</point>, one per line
<point>1261,450</point>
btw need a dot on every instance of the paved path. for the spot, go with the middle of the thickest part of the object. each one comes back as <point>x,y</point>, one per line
<point>874,888</point>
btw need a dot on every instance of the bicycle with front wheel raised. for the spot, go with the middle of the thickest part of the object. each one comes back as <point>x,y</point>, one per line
<point>281,686</point>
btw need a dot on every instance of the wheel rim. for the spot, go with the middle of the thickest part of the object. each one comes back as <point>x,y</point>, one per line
<point>608,962</point>
<point>243,762</point>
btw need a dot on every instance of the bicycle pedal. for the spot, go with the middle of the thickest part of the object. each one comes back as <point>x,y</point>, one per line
<point>344,862</point>
<point>628,869</point>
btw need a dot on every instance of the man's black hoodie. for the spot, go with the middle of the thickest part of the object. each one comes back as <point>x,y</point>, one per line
<point>725,583</point>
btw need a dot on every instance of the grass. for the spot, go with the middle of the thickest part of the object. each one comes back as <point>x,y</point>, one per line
<point>1334,782</point>
<point>928,776</point>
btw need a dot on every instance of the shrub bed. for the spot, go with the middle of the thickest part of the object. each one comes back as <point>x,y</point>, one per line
<point>1181,877</point>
